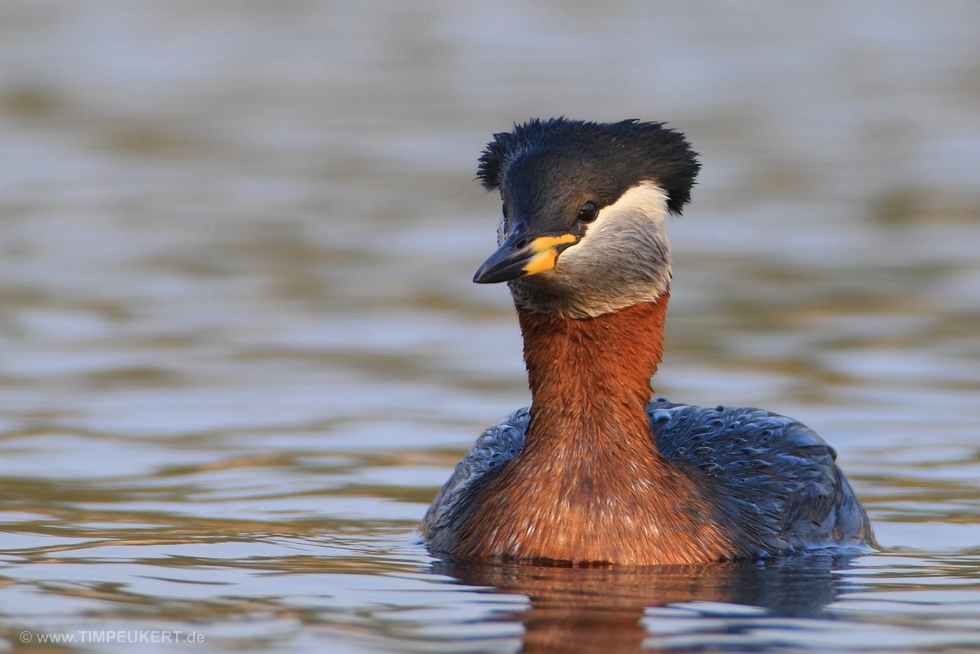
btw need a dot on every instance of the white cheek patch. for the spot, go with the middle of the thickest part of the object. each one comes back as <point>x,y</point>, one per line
<point>623,259</point>
<point>644,202</point>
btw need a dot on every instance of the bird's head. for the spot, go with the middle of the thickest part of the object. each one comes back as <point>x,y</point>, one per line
<point>584,206</point>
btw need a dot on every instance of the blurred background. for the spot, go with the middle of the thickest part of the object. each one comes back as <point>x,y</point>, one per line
<point>240,349</point>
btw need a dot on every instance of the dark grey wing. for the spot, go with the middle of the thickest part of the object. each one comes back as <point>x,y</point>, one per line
<point>496,446</point>
<point>778,483</point>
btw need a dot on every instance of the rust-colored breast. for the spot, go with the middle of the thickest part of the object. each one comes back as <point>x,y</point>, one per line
<point>628,512</point>
<point>589,484</point>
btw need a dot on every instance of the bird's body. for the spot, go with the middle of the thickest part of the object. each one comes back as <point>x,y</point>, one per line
<point>592,471</point>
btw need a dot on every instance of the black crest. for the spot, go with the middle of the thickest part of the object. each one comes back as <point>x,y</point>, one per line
<point>613,156</point>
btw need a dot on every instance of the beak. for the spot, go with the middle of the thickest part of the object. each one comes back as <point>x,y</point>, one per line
<point>518,257</point>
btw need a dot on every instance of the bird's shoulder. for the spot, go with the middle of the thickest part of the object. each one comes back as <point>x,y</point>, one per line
<point>777,479</point>
<point>497,445</point>
<point>718,438</point>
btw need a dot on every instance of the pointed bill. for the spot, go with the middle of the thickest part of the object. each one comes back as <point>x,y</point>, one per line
<point>515,258</point>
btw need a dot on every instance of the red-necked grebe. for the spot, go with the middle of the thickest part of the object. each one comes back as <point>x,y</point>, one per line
<point>593,471</point>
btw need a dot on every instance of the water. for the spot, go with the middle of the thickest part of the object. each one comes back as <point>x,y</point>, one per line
<point>240,351</point>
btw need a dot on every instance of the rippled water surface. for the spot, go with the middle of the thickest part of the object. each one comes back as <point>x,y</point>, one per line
<point>240,351</point>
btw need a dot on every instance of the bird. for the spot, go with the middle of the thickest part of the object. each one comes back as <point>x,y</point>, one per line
<point>596,471</point>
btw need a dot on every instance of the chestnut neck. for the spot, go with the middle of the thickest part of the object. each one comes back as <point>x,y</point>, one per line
<point>589,483</point>
<point>590,377</point>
